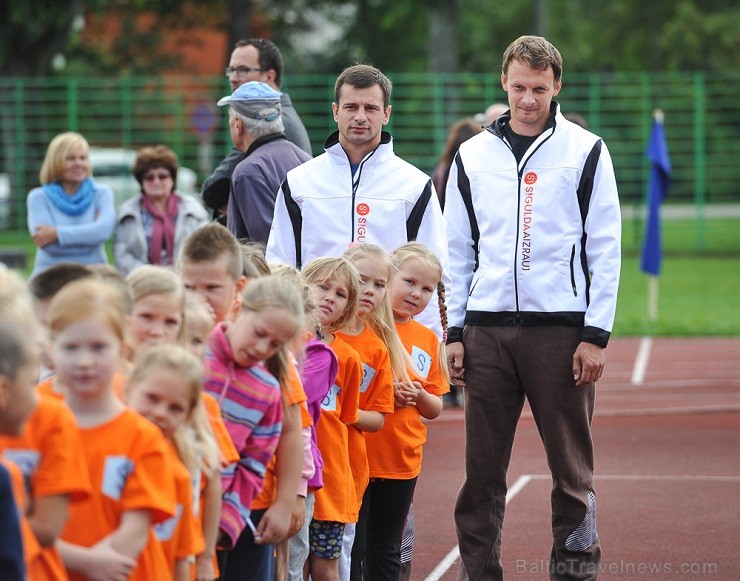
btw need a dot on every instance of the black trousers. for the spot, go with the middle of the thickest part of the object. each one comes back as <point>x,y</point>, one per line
<point>376,553</point>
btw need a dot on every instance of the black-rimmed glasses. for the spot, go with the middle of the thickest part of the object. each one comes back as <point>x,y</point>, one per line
<point>241,71</point>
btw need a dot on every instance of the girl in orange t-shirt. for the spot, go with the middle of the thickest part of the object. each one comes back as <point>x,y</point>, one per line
<point>335,283</point>
<point>395,452</point>
<point>165,387</point>
<point>373,335</point>
<point>110,534</point>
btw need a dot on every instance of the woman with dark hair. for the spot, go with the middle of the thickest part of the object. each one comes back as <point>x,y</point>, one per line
<point>152,226</point>
<point>459,132</point>
<point>70,217</point>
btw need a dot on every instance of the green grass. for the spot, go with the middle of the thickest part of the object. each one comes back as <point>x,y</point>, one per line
<point>698,290</point>
<point>696,296</point>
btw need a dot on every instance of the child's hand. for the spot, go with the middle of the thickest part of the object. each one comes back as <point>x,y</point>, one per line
<point>298,517</point>
<point>406,393</point>
<point>204,568</point>
<point>107,564</point>
<point>274,524</point>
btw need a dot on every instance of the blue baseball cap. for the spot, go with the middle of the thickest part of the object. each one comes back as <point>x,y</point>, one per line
<point>255,100</point>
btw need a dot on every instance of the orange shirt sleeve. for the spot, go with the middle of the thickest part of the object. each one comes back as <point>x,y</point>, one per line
<point>229,455</point>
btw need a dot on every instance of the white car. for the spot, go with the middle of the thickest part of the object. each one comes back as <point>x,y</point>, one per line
<point>112,167</point>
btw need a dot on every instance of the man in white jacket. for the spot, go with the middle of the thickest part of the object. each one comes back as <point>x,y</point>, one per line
<point>533,226</point>
<point>358,190</point>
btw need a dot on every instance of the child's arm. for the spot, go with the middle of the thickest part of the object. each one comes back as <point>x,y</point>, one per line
<point>370,421</point>
<point>211,515</point>
<point>132,533</point>
<point>48,518</point>
<point>96,563</point>
<point>276,521</point>
<point>182,570</point>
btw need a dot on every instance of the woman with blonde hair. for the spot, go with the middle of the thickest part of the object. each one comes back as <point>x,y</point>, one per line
<point>70,217</point>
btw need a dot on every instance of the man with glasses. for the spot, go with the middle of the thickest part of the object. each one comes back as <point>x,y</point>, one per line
<point>256,59</point>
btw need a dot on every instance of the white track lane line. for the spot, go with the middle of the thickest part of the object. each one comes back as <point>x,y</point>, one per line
<point>454,554</point>
<point>641,361</point>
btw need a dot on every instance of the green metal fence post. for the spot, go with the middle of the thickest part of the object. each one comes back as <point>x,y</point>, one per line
<point>700,160</point>
<point>20,149</point>
<point>72,105</point>
<point>127,112</point>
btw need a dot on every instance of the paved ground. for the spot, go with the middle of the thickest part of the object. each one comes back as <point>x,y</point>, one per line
<point>667,463</point>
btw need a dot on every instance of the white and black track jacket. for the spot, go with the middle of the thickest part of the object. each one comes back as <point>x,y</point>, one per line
<point>321,208</point>
<point>536,243</point>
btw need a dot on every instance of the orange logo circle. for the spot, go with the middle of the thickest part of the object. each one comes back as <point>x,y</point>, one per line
<point>363,209</point>
<point>530,178</point>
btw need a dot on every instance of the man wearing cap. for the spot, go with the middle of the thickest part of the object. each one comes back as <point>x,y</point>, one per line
<point>257,131</point>
<point>256,59</point>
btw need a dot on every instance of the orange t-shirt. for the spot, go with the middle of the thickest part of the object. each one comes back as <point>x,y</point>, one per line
<point>337,500</point>
<point>376,394</point>
<point>180,535</point>
<point>49,452</point>
<point>395,451</point>
<point>293,394</point>
<point>129,468</point>
<point>31,547</point>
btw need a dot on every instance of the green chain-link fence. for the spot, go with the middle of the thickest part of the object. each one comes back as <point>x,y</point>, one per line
<point>702,124</point>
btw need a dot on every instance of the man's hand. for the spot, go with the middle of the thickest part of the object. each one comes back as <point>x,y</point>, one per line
<point>455,355</point>
<point>588,363</point>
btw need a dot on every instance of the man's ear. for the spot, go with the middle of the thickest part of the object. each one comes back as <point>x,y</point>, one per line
<point>270,76</point>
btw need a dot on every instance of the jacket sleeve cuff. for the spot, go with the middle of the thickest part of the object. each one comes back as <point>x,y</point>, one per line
<point>454,335</point>
<point>596,336</point>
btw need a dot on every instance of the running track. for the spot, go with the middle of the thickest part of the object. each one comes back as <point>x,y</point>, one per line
<point>667,439</point>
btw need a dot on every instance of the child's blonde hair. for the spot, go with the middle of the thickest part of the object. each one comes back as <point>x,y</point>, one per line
<point>417,251</point>
<point>194,440</point>
<point>16,301</point>
<point>381,319</point>
<point>338,270</point>
<point>86,299</point>
<point>281,293</point>
<point>253,259</point>
<point>151,279</point>
<point>196,312</point>
<point>309,299</point>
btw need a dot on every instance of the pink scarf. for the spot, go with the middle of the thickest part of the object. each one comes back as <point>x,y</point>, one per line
<point>163,230</point>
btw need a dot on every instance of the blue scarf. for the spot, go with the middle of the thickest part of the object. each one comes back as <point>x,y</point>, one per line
<point>74,204</point>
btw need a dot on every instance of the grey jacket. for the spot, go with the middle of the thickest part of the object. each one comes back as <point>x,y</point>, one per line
<point>130,247</point>
<point>215,190</point>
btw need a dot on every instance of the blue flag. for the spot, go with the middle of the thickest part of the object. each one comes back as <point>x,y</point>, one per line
<point>660,177</point>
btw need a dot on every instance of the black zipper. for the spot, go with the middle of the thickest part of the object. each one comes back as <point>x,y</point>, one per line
<point>572,271</point>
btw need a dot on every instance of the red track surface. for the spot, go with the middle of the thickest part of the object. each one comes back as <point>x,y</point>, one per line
<point>667,472</point>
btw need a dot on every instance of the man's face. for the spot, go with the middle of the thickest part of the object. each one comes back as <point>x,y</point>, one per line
<point>360,116</point>
<point>530,94</point>
<point>249,57</point>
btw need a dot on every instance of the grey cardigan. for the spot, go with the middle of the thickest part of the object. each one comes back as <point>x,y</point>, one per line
<point>130,248</point>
